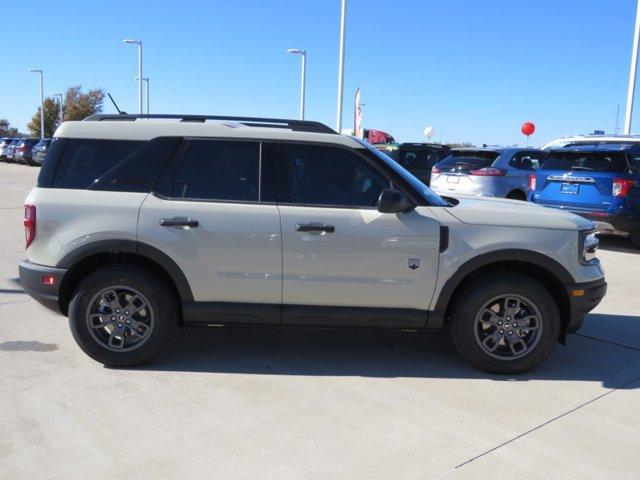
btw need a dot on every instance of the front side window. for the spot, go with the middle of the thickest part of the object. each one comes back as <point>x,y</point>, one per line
<point>330,176</point>
<point>217,170</point>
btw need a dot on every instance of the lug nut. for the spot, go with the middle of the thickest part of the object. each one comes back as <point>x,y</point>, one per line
<point>501,331</point>
<point>510,332</point>
<point>126,312</point>
<point>119,325</point>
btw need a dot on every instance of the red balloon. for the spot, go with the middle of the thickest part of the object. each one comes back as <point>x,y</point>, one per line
<point>528,128</point>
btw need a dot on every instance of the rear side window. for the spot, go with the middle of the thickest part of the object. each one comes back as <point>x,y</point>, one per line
<point>527,160</point>
<point>85,160</point>
<point>584,161</point>
<point>215,170</point>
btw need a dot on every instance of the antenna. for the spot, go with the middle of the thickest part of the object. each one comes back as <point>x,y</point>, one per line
<point>116,105</point>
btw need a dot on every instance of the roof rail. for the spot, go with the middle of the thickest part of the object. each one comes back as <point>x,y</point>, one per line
<point>295,125</point>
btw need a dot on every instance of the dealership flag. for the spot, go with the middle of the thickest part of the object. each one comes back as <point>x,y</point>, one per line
<point>357,116</point>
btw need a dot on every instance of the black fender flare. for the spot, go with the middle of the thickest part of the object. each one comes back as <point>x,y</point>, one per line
<point>436,318</point>
<point>134,247</point>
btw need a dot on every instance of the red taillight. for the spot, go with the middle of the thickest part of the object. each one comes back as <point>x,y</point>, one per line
<point>621,187</point>
<point>435,169</point>
<point>29,224</point>
<point>532,182</point>
<point>488,172</point>
<point>48,279</point>
<point>22,148</point>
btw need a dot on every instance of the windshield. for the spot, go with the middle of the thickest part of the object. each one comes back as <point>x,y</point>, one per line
<point>586,161</point>
<point>431,198</point>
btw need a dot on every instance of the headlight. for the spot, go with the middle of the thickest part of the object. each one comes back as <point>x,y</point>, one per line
<point>588,246</point>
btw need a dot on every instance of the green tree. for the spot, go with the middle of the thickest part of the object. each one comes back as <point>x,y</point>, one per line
<point>6,130</point>
<point>51,119</point>
<point>78,105</point>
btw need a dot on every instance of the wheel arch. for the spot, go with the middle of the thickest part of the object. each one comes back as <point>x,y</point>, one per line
<point>90,256</point>
<point>517,192</point>
<point>551,274</point>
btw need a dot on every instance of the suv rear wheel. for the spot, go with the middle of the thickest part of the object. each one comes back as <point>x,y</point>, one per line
<point>505,323</point>
<point>122,315</point>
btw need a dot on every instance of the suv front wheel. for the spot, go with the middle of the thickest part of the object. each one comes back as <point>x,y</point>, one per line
<point>122,315</point>
<point>505,323</point>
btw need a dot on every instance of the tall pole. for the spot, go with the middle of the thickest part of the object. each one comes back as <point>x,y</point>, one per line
<point>303,80</point>
<point>343,18</point>
<point>632,74</point>
<point>139,77</point>
<point>41,104</point>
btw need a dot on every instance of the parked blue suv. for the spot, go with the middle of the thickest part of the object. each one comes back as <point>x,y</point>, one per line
<point>599,182</point>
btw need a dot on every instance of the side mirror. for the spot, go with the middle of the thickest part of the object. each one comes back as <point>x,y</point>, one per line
<point>393,201</point>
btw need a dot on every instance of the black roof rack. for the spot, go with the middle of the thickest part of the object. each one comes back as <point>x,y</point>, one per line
<point>295,125</point>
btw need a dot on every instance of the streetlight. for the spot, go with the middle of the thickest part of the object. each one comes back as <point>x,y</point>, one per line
<point>139,44</point>
<point>343,18</point>
<point>146,81</point>
<point>59,107</point>
<point>303,53</point>
<point>632,74</point>
<point>39,70</point>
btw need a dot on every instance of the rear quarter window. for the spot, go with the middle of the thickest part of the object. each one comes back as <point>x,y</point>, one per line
<point>82,161</point>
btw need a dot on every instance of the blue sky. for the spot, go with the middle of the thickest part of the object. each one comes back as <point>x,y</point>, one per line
<point>474,69</point>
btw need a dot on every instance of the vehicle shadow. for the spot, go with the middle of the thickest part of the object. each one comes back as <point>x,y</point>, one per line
<point>617,244</point>
<point>325,352</point>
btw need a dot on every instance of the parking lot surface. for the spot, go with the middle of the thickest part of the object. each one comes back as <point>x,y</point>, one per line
<point>257,403</point>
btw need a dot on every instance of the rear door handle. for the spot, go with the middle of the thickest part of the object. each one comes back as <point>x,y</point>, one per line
<point>315,227</point>
<point>179,222</point>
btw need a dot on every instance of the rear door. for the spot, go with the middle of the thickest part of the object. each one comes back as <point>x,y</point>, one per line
<point>345,263</point>
<point>580,180</point>
<point>211,215</point>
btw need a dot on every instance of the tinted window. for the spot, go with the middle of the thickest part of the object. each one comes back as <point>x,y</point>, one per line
<point>469,160</point>
<point>318,175</point>
<point>139,171</point>
<point>85,160</point>
<point>585,161</point>
<point>216,170</point>
<point>527,160</point>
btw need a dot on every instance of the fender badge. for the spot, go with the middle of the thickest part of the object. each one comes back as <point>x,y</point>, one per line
<point>414,263</point>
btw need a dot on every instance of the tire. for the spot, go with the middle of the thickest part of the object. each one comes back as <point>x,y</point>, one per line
<point>517,349</point>
<point>117,344</point>
<point>517,195</point>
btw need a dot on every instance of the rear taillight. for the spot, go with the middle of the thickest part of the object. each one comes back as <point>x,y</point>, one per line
<point>532,182</point>
<point>29,224</point>
<point>621,187</point>
<point>435,169</point>
<point>488,172</point>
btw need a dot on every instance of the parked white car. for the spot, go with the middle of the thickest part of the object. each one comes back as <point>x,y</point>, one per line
<point>574,140</point>
<point>140,224</point>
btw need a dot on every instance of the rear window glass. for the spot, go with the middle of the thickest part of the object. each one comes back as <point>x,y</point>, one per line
<point>85,160</point>
<point>469,159</point>
<point>589,162</point>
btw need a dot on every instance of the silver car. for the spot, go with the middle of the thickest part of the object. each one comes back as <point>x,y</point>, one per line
<point>487,172</point>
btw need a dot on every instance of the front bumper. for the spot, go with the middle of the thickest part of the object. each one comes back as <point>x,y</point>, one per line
<point>584,297</point>
<point>31,280</point>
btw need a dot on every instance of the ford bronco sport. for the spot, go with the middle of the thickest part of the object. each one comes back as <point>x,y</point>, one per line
<point>142,223</point>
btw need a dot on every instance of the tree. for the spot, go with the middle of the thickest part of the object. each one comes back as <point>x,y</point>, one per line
<point>6,130</point>
<point>78,105</point>
<point>51,119</point>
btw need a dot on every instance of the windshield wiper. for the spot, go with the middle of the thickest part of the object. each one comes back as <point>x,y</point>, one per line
<point>589,169</point>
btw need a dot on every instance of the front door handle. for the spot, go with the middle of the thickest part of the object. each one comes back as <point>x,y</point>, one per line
<point>179,222</point>
<point>315,227</point>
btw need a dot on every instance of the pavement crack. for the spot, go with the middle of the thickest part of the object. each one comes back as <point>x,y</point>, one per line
<point>544,424</point>
<point>622,345</point>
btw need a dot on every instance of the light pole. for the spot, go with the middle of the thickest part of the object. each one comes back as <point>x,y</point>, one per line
<point>632,74</point>
<point>303,53</point>
<point>146,81</point>
<point>39,70</point>
<point>139,44</point>
<point>343,18</point>
<point>59,107</point>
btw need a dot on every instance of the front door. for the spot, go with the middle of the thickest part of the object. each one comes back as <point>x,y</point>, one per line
<point>345,263</point>
<point>209,216</point>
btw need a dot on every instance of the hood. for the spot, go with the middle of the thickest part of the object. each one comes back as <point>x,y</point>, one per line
<point>501,212</point>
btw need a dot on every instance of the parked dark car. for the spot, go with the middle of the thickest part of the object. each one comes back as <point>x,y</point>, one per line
<point>23,151</point>
<point>39,152</point>
<point>4,147</point>
<point>418,158</point>
<point>599,182</point>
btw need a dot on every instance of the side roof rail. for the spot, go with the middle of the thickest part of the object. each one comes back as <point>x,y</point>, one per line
<point>295,125</point>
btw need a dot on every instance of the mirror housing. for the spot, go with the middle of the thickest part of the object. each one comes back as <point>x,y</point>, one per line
<point>393,201</point>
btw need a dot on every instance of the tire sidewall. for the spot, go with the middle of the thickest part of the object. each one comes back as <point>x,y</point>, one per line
<point>475,296</point>
<point>160,297</point>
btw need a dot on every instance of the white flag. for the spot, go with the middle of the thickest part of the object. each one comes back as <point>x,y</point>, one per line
<point>357,117</point>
